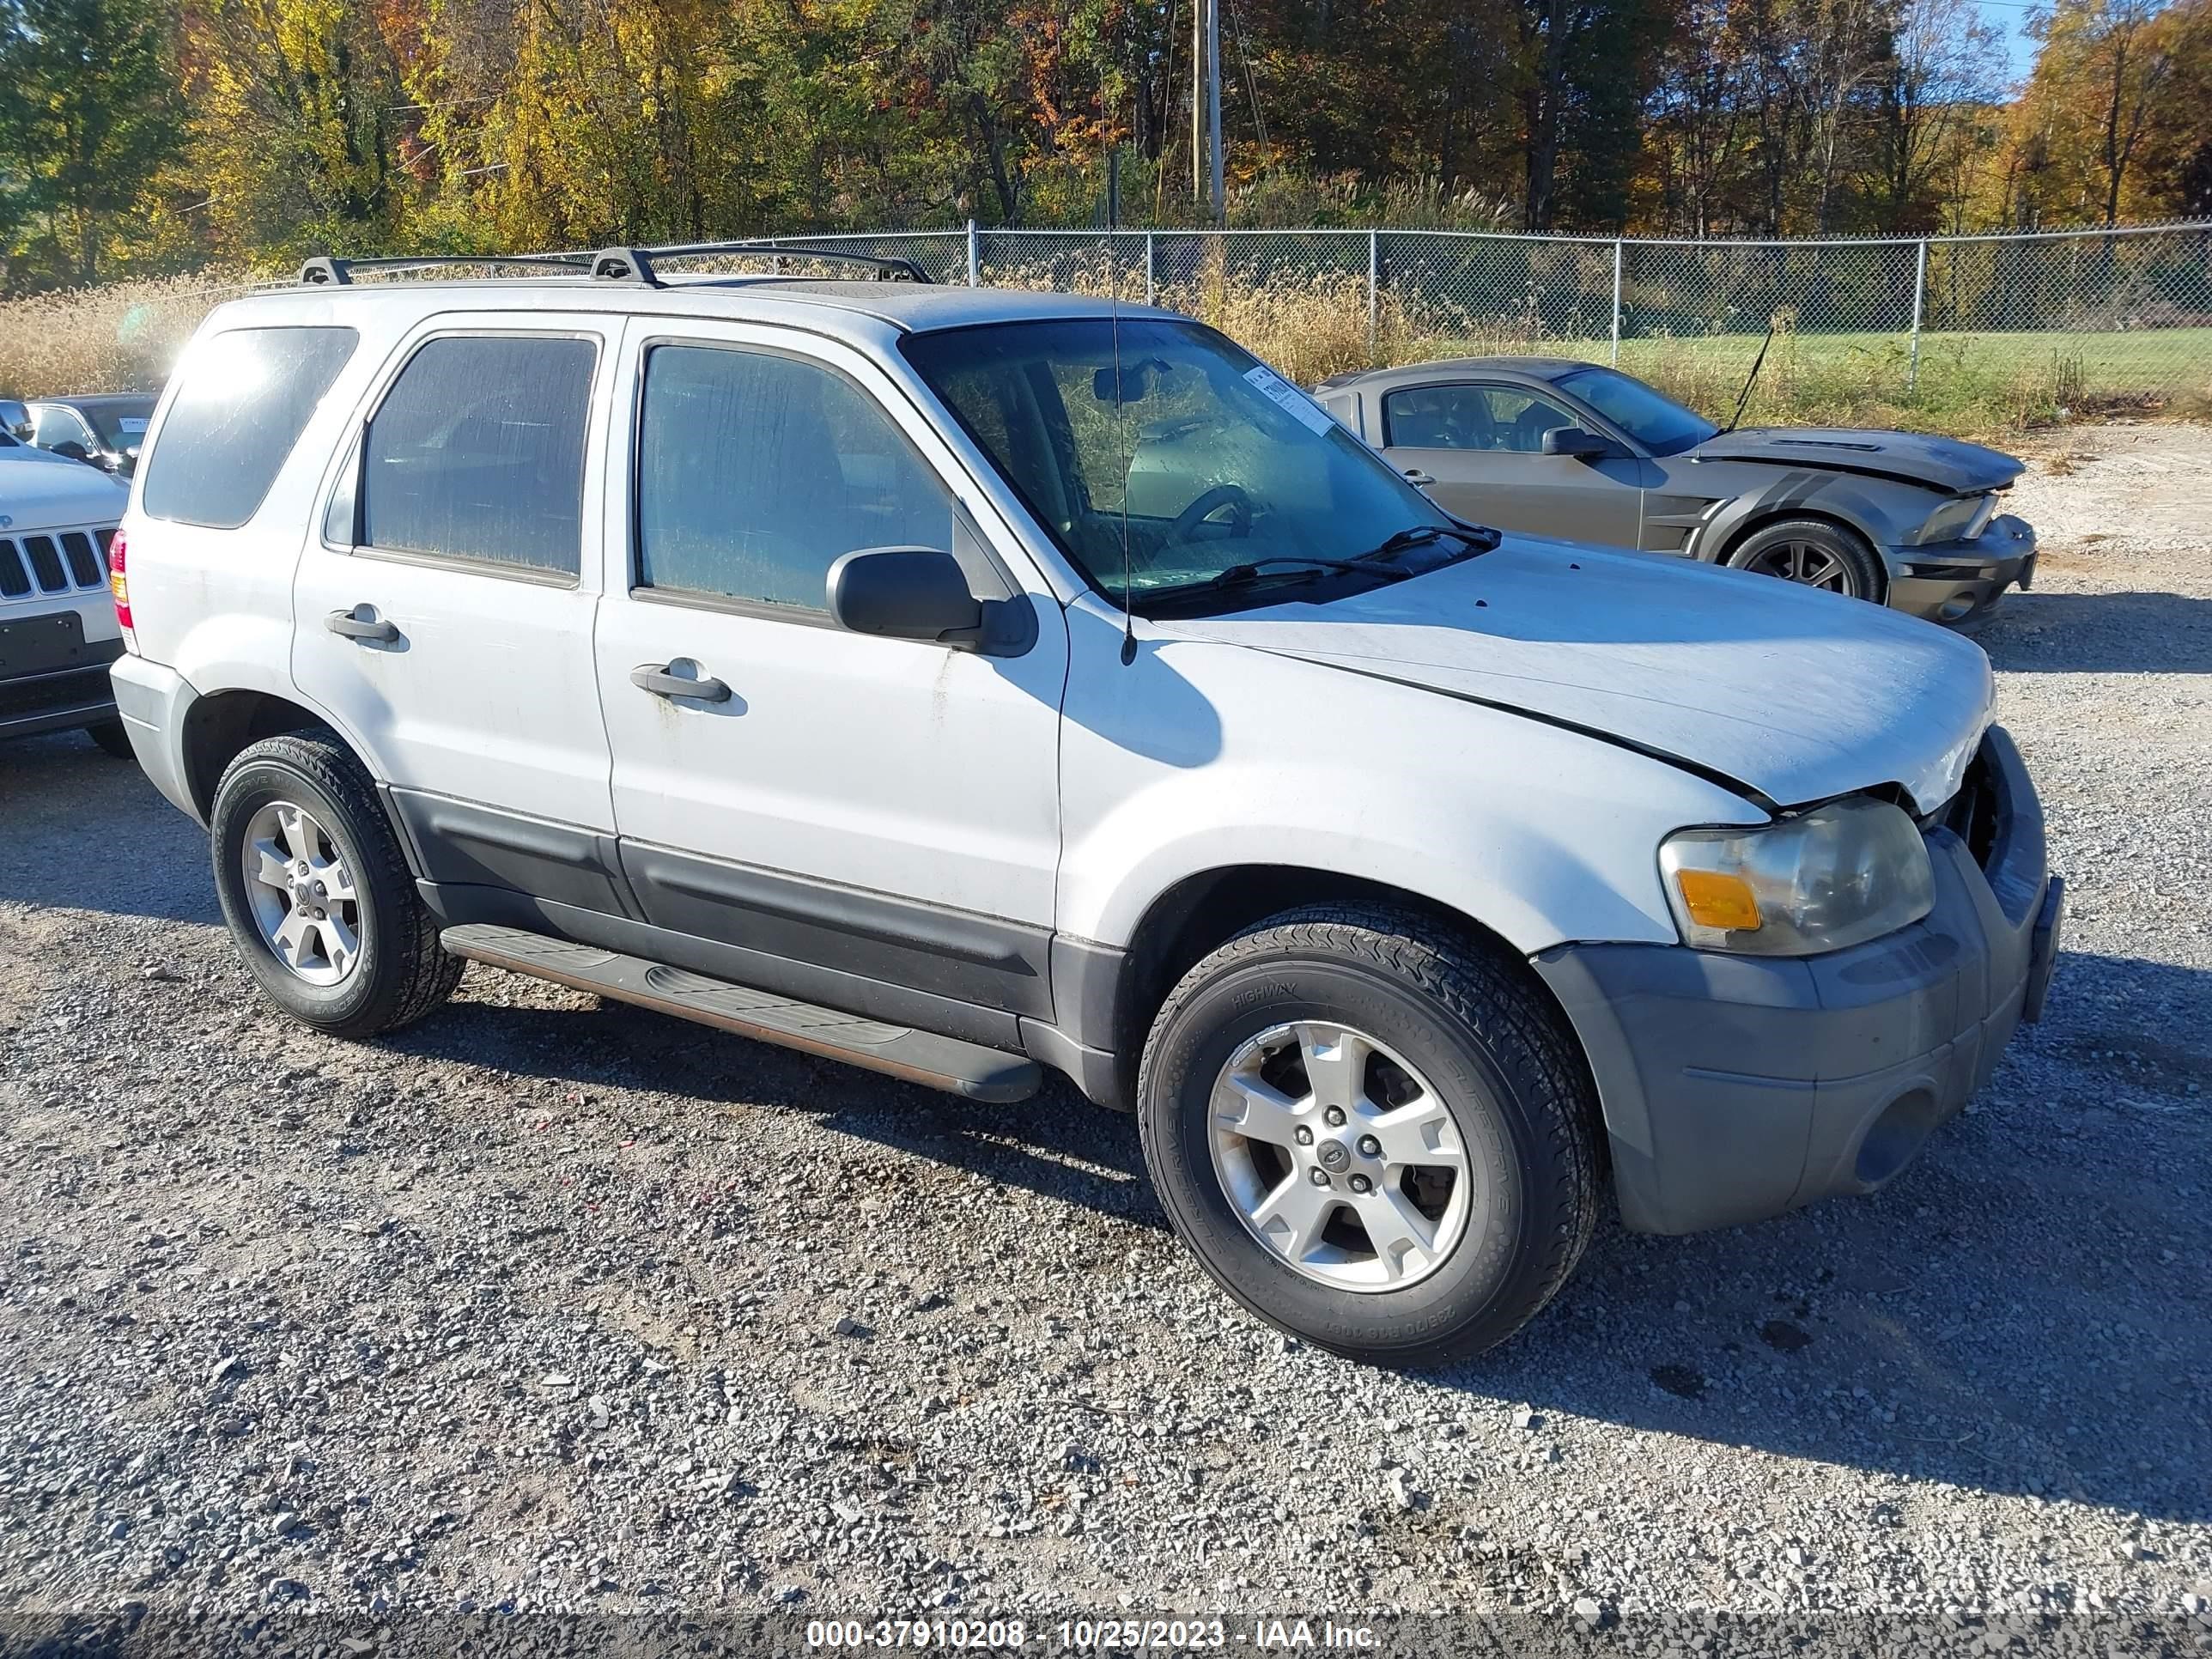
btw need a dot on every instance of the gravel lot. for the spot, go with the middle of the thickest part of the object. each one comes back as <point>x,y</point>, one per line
<point>552,1304</point>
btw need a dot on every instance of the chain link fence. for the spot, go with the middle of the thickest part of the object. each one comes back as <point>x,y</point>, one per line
<point>2077,319</point>
<point>1959,333</point>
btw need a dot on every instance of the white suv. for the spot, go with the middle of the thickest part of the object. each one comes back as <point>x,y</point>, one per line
<point>961,683</point>
<point>58,631</point>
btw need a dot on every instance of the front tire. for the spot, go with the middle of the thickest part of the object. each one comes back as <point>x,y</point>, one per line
<point>1814,553</point>
<point>320,902</point>
<point>1434,1087</point>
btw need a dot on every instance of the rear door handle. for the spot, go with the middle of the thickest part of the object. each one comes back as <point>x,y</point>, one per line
<point>654,677</point>
<point>350,626</point>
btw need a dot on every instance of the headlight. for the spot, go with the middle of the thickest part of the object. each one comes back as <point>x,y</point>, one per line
<point>1961,520</point>
<point>1843,873</point>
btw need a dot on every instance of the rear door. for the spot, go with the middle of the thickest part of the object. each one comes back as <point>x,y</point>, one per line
<point>444,604</point>
<point>1480,447</point>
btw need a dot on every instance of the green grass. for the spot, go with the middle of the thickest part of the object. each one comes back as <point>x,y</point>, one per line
<point>1966,383</point>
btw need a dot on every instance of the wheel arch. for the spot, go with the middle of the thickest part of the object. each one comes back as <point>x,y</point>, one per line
<point>220,724</point>
<point>1767,518</point>
<point>1194,916</point>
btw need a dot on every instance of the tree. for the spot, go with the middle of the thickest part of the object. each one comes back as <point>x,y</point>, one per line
<point>1934,83</point>
<point>87,117</point>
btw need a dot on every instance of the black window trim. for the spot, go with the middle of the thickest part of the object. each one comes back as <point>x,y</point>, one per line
<point>165,406</point>
<point>686,599</point>
<point>354,458</point>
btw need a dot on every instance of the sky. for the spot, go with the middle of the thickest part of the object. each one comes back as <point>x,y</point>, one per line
<point>2010,15</point>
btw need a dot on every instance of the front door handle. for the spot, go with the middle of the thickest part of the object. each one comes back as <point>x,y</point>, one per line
<point>1417,478</point>
<point>654,677</point>
<point>350,626</point>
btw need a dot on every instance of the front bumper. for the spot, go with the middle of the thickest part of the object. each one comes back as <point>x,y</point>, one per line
<point>1736,1088</point>
<point>59,698</point>
<point>1958,581</point>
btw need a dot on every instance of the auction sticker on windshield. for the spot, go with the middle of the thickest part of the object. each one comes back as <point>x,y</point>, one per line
<point>1302,409</point>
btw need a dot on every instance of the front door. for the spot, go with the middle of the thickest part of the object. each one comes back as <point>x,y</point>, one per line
<point>442,611</point>
<point>1483,447</point>
<point>842,811</point>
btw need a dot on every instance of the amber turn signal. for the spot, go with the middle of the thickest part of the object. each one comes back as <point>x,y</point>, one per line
<point>1714,900</point>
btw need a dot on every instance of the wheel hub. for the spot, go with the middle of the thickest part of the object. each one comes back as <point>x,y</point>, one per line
<point>1339,1158</point>
<point>301,894</point>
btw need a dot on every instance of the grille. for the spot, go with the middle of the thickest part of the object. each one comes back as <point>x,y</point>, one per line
<point>55,561</point>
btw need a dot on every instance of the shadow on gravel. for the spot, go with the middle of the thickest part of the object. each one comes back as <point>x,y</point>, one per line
<point>2025,1310</point>
<point>2099,633</point>
<point>81,831</point>
<point>1057,1145</point>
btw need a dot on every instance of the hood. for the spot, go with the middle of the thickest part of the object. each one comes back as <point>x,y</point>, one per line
<point>41,490</point>
<point>1963,469</point>
<point>1781,692</point>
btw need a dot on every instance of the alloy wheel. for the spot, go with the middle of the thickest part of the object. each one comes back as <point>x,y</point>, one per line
<point>1808,564</point>
<point>301,892</point>
<point>1339,1157</point>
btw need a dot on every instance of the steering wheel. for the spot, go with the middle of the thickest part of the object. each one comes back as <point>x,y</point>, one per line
<point>1232,496</point>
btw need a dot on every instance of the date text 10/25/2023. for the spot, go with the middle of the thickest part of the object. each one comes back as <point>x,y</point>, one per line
<point>1090,1635</point>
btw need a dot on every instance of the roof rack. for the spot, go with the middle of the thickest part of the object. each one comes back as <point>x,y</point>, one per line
<point>322,270</point>
<point>635,264</point>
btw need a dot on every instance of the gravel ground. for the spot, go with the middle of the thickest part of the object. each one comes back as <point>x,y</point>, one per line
<point>547,1305</point>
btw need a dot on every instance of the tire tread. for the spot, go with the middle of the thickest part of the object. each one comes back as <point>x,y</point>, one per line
<point>424,975</point>
<point>1490,995</point>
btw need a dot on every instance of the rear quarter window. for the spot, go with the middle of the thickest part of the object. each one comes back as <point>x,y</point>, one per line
<point>246,395</point>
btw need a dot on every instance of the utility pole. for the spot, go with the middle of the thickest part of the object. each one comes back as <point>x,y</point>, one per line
<point>1197,102</point>
<point>1219,204</point>
<point>1206,174</point>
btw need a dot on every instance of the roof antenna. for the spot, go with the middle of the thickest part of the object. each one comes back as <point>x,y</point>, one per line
<point>1128,583</point>
<point>1749,380</point>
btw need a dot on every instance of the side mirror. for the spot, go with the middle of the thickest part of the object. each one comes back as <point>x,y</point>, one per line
<point>73,449</point>
<point>905,593</point>
<point>1574,440</point>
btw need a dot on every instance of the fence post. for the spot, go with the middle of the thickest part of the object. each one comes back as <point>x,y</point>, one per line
<point>1617,246</point>
<point>1151,272</point>
<point>1374,289</point>
<point>974,257</point>
<point>1919,291</point>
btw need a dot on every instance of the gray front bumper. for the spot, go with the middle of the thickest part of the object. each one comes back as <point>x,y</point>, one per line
<point>1958,581</point>
<point>1736,1088</point>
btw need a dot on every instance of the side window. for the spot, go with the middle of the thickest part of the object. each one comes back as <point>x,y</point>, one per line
<point>476,452</point>
<point>1488,417</point>
<point>247,394</point>
<point>1439,417</point>
<point>52,424</point>
<point>757,471</point>
<point>1521,421</point>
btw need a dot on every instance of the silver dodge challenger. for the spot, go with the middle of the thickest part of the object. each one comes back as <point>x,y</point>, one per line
<point>1581,451</point>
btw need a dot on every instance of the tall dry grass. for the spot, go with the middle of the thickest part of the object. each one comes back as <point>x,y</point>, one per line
<point>122,336</point>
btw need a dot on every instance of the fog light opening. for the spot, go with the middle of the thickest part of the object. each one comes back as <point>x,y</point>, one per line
<point>1894,1137</point>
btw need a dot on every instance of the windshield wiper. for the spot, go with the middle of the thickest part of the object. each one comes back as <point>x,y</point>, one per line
<point>1420,535</point>
<point>1296,567</point>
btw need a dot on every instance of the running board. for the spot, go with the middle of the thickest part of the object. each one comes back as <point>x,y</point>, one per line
<point>938,1062</point>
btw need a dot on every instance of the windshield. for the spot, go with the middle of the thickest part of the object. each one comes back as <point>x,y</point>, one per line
<point>1215,461</point>
<point>120,426</point>
<point>1658,422</point>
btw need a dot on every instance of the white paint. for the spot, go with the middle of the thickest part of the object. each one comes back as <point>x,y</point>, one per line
<point>1384,736</point>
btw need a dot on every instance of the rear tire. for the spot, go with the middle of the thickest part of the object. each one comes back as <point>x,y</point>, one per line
<point>112,740</point>
<point>1430,1020</point>
<point>1814,553</point>
<point>305,793</point>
